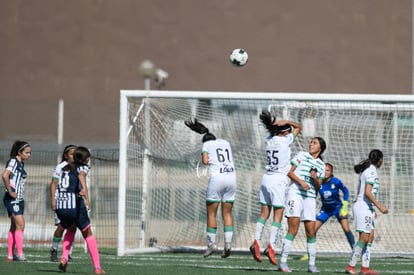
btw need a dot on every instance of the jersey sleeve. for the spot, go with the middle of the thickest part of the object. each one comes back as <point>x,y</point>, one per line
<point>204,149</point>
<point>292,138</point>
<point>83,168</point>
<point>371,177</point>
<point>296,160</point>
<point>11,164</point>
<point>57,172</point>
<point>344,190</point>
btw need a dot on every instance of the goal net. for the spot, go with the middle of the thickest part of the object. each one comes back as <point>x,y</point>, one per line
<point>162,182</point>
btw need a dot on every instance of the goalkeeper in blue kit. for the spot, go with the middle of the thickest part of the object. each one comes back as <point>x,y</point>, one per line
<point>333,205</point>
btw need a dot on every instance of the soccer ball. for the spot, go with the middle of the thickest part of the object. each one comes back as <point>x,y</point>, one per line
<point>239,57</point>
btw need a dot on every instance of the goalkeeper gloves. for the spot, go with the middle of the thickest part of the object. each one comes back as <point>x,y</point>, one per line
<point>344,210</point>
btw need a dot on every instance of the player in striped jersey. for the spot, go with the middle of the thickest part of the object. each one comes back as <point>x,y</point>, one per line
<point>67,157</point>
<point>272,192</point>
<point>14,178</point>
<point>364,212</point>
<point>72,206</point>
<point>307,172</point>
<point>217,154</point>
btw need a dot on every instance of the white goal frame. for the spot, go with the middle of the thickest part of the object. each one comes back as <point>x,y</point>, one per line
<point>128,120</point>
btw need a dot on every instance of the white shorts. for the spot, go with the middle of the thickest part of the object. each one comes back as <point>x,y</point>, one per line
<point>273,190</point>
<point>364,217</point>
<point>299,206</point>
<point>222,188</point>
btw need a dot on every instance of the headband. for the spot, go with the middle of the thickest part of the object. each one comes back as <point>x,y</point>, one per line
<point>23,146</point>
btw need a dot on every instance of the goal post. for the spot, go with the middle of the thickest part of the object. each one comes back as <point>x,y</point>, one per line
<point>162,183</point>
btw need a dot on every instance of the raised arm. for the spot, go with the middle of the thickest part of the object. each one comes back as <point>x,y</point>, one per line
<point>297,127</point>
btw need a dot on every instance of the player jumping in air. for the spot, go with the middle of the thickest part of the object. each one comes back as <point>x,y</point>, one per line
<point>274,182</point>
<point>222,184</point>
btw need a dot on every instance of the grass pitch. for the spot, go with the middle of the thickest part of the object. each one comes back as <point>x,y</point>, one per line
<point>186,264</point>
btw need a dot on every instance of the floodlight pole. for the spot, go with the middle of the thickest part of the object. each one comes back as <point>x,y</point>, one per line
<point>147,69</point>
<point>61,108</point>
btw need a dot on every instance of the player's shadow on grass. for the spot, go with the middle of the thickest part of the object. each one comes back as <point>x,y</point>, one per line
<point>49,270</point>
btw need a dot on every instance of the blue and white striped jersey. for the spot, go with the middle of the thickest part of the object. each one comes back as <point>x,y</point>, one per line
<point>67,191</point>
<point>17,177</point>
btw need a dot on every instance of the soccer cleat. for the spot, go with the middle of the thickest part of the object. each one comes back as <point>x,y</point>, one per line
<point>99,271</point>
<point>270,253</point>
<point>53,255</point>
<point>283,267</point>
<point>350,270</point>
<point>255,250</point>
<point>313,269</point>
<point>70,259</point>
<point>210,250</point>
<point>10,259</point>
<point>20,258</point>
<point>226,252</point>
<point>368,271</point>
<point>14,258</point>
<point>63,264</point>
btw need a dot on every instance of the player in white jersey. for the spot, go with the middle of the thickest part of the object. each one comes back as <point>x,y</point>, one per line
<point>306,173</point>
<point>222,184</point>
<point>274,182</point>
<point>14,178</point>
<point>364,212</point>
<point>67,157</point>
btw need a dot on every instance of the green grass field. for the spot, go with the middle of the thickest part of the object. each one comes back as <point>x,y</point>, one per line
<point>186,264</point>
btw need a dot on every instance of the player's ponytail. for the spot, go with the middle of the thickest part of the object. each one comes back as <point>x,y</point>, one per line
<point>373,158</point>
<point>198,127</point>
<point>268,120</point>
